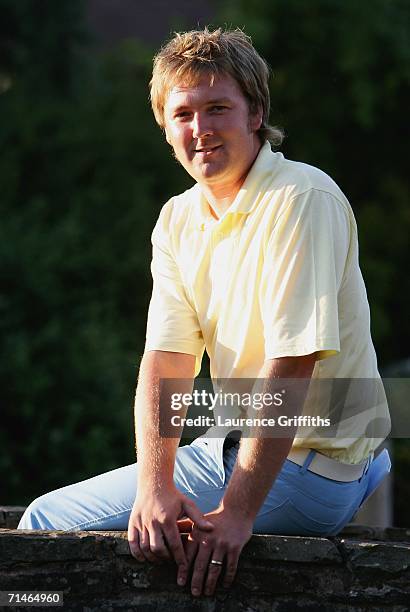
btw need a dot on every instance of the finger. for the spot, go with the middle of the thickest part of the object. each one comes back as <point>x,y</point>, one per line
<point>158,545</point>
<point>134,543</point>
<point>184,525</point>
<point>190,548</point>
<point>200,568</point>
<point>175,546</point>
<point>146,547</point>
<point>193,512</point>
<point>232,559</point>
<point>214,571</point>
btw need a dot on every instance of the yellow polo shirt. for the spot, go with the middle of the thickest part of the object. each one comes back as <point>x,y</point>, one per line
<point>277,275</point>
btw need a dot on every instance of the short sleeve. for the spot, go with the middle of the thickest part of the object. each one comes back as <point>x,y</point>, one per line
<point>172,321</point>
<point>304,263</point>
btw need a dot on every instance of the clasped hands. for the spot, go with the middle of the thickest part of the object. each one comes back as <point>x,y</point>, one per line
<point>213,545</point>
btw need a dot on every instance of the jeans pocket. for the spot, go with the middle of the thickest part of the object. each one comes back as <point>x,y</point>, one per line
<point>290,518</point>
<point>313,518</point>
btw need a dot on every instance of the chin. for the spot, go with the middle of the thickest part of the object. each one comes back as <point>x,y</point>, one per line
<point>212,169</point>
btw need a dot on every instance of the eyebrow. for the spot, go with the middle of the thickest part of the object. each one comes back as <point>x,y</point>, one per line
<point>215,102</point>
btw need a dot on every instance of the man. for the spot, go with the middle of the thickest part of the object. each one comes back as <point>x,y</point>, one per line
<point>257,263</point>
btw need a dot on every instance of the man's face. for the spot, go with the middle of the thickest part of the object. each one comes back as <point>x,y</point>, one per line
<point>211,131</point>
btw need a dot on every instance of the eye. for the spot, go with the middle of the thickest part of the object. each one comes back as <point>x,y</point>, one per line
<point>181,115</point>
<point>218,108</point>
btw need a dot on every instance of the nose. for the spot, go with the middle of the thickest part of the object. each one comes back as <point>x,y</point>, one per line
<point>201,125</point>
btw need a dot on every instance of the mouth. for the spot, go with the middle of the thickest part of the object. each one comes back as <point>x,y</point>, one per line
<point>207,150</point>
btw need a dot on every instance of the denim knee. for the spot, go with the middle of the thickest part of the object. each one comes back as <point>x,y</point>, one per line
<point>33,516</point>
<point>36,515</point>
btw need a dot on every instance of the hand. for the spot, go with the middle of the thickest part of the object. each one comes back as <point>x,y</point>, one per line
<point>152,528</point>
<point>224,543</point>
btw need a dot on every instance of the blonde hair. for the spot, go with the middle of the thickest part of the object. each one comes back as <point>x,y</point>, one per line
<point>191,55</point>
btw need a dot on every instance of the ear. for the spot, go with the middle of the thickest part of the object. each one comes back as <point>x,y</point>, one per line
<point>255,120</point>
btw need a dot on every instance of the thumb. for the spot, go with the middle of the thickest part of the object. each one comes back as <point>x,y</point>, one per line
<point>193,512</point>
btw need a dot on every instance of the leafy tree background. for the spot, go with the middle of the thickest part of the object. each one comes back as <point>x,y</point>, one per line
<point>85,171</point>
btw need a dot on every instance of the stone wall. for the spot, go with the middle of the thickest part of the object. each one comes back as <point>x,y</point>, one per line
<point>10,516</point>
<point>366,569</point>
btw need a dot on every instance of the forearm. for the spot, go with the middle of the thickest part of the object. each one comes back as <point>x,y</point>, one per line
<point>260,458</point>
<point>156,452</point>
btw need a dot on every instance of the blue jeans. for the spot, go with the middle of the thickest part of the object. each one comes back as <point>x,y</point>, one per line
<point>299,502</point>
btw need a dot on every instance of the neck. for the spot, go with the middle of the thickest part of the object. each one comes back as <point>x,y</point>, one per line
<point>219,204</point>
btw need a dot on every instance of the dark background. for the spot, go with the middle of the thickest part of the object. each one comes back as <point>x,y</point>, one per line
<point>84,172</point>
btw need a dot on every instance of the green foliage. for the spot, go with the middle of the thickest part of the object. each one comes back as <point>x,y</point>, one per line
<point>85,171</point>
<point>401,489</point>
